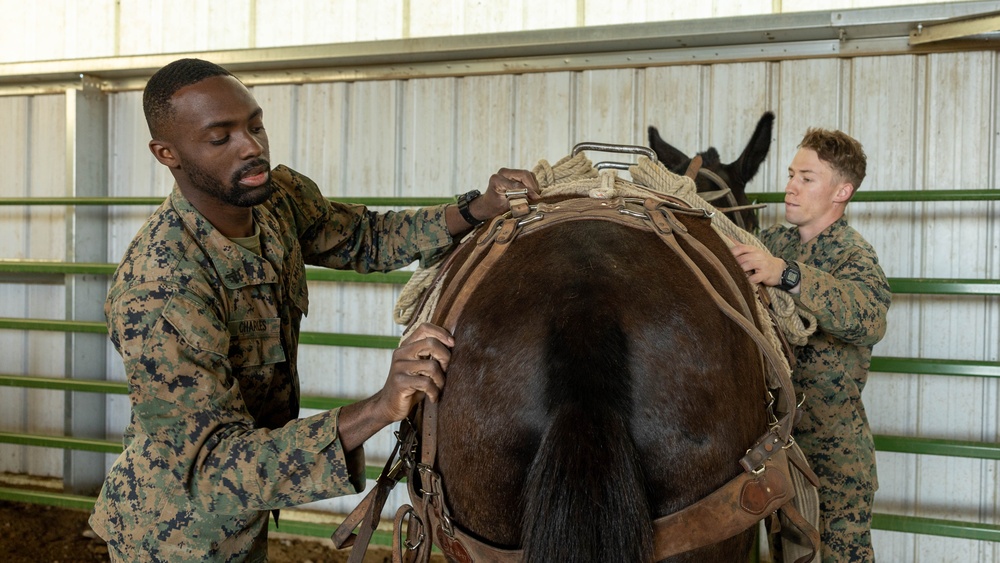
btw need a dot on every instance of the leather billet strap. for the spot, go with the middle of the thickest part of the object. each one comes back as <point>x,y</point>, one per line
<point>806,532</point>
<point>368,512</point>
<point>429,525</point>
<point>668,228</point>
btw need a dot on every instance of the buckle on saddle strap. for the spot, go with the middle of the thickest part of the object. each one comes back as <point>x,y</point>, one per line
<point>768,445</point>
<point>518,202</point>
<point>744,500</point>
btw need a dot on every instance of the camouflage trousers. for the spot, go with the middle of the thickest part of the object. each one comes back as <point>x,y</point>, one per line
<point>846,519</point>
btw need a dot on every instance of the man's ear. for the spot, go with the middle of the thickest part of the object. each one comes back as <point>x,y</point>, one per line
<point>164,153</point>
<point>844,192</point>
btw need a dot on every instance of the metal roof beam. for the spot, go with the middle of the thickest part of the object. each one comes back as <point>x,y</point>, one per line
<point>966,28</point>
<point>841,33</point>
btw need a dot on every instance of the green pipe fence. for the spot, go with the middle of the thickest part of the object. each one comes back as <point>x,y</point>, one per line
<point>128,201</point>
<point>910,196</point>
<point>898,444</point>
<point>913,196</point>
<point>899,286</point>
<point>77,502</point>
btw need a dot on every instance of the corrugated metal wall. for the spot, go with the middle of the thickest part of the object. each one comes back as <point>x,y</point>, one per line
<point>33,151</point>
<point>927,122</point>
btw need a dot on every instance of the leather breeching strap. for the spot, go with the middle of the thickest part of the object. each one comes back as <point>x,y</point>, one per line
<point>764,487</point>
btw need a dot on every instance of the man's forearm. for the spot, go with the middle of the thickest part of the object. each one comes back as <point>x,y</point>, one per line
<point>358,422</point>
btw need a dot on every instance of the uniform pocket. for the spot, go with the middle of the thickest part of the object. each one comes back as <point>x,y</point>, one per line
<point>255,342</point>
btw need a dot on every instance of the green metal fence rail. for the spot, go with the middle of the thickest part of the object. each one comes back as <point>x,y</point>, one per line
<point>899,286</point>
<point>131,201</point>
<point>288,524</point>
<point>867,195</point>
<point>55,268</point>
<point>101,446</point>
<point>883,364</point>
<point>888,522</point>
<point>905,196</point>
<point>936,527</point>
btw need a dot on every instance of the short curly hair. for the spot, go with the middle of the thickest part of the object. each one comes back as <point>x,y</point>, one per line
<point>166,82</point>
<point>841,151</point>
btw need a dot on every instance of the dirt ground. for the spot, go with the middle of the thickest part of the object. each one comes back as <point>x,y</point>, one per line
<point>31,533</point>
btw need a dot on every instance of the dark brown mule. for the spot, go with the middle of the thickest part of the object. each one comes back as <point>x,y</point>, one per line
<point>716,175</point>
<point>593,387</point>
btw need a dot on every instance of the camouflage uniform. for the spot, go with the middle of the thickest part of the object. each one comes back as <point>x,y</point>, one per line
<point>844,287</point>
<point>208,332</point>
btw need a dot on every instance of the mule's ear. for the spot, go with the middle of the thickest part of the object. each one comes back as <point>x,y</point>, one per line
<point>745,167</point>
<point>672,158</point>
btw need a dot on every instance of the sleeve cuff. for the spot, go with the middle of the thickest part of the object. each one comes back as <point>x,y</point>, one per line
<point>354,460</point>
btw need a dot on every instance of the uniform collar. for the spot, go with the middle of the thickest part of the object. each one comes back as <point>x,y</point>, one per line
<point>834,230</point>
<point>237,266</point>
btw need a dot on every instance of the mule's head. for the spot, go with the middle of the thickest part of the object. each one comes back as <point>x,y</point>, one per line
<point>734,175</point>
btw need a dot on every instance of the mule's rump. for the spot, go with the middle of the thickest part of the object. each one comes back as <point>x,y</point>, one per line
<point>594,387</point>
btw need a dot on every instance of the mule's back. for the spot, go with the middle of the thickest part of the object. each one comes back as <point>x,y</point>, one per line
<point>593,387</point>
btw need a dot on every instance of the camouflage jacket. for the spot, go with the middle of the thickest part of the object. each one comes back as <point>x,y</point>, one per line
<point>844,287</point>
<point>208,333</point>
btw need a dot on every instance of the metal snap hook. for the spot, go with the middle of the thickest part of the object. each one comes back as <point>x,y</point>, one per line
<point>406,541</point>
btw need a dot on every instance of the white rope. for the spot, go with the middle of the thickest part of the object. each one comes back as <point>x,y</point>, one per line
<point>796,323</point>
<point>576,175</point>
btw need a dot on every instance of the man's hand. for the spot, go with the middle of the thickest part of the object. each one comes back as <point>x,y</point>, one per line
<point>759,265</point>
<point>417,370</point>
<point>494,201</point>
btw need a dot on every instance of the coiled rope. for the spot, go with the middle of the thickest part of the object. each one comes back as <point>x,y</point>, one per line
<point>576,175</point>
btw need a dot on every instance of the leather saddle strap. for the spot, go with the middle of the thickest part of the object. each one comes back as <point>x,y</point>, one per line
<point>681,231</point>
<point>422,510</point>
<point>468,280</point>
<point>777,377</point>
<point>415,537</point>
<point>397,525</point>
<point>461,547</point>
<point>368,512</point>
<point>344,536</point>
<point>784,430</point>
<point>367,527</point>
<point>505,228</point>
<point>740,503</point>
<point>811,534</point>
<point>653,206</point>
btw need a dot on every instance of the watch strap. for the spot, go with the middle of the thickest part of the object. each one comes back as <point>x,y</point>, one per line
<point>463,207</point>
<point>790,276</point>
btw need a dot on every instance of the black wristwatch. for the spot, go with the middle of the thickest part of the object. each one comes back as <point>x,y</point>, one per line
<point>463,207</point>
<point>791,276</point>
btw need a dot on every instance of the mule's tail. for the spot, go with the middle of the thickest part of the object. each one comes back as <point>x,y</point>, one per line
<point>585,498</point>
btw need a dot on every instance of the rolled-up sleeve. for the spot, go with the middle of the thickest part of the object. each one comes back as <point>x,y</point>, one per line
<point>339,235</point>
<point>850,303</point>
